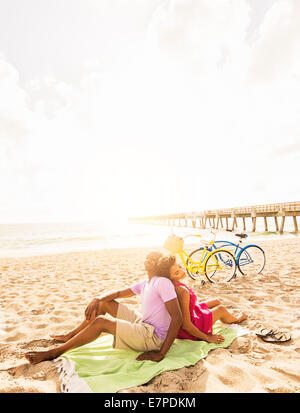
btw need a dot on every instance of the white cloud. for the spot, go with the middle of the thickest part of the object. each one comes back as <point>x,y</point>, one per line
<point>193,122</point>
<point>15,120</point>
<point>204,36</point>
<point>241,115</point>
<point>276,52</point>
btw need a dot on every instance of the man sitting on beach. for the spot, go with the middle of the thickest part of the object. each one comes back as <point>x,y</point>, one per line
<point>153,332</point>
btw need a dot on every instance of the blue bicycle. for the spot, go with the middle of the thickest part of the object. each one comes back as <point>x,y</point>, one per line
<point>250,259</point>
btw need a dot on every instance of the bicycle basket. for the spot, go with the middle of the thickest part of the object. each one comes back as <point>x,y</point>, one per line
<point>173,244</point>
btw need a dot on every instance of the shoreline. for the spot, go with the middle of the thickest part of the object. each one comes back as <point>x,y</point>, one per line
<point>252,237</point>
<point>47,294</point>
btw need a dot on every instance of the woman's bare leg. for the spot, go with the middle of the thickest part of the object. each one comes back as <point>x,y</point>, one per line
<point>110,307</point>
<point>221,313</point>
<point>212,303</point>
<point>89,334</point>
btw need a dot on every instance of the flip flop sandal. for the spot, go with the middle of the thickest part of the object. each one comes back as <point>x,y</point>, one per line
<point>277,338</point>
<point>265,332</point>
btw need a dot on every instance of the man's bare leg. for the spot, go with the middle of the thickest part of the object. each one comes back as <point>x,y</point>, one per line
<point>87,335</point>
<point>110,307</point>
<point>66,337</point>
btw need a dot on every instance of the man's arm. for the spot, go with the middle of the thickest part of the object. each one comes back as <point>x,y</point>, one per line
<point>112,296</point>
<point>175,324</point>
<point>117,294</point>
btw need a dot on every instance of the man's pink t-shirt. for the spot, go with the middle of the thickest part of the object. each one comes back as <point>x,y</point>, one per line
<point>154,294</point>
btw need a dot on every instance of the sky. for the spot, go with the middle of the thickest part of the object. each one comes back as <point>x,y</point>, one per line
<point>124,108</point>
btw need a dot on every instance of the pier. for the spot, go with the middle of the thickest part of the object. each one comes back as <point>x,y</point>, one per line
<point>228,218</point>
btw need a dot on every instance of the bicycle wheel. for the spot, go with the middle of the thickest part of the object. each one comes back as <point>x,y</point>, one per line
<point>251,260</point>
<point>220,266</point>
<point>193,269</point>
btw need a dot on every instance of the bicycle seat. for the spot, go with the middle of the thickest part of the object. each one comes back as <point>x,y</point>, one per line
<point>241,235</point>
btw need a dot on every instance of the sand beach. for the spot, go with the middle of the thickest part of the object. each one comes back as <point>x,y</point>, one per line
<point>48,294</point>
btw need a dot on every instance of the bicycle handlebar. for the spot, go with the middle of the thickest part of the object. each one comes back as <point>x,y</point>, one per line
<point>198,235</point>
<point>192,235</point>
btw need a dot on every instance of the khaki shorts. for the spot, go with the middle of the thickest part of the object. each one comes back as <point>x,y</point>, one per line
<point>132,333</point>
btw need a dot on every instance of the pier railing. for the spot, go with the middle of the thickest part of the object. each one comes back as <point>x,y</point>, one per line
<point>214,217</point>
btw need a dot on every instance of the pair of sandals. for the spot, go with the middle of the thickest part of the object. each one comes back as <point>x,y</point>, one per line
<point>273,336</point>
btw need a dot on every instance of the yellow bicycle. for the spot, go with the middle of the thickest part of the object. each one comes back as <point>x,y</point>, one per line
<point>218,265</point>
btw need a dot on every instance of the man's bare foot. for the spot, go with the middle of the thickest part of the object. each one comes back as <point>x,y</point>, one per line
<point>63,338</point>
<point>35,357</point>
<point>241,317</point>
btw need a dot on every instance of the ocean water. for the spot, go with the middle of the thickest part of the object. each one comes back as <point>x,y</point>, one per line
<point>52,238</point>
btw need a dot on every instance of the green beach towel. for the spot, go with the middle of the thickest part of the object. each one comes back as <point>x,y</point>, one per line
<point>97,367</point>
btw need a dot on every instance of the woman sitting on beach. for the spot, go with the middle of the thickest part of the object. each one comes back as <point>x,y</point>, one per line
<point>198,318</point>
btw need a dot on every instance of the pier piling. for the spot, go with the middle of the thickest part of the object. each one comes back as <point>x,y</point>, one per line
<point>295,223</point>
<point>276,224</point>
<point>253,224</point>
<point>282,224</point>
<point>266,224</point>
